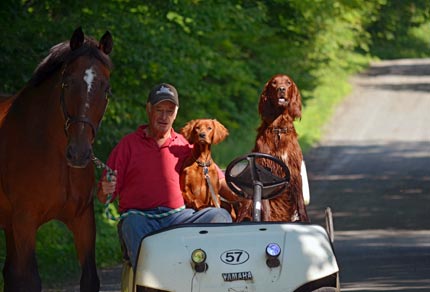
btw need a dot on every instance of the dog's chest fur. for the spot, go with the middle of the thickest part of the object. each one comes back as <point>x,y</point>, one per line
<point>279,139</point>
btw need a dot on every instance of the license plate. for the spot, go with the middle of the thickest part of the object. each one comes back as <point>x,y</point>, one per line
<point>229,277</point>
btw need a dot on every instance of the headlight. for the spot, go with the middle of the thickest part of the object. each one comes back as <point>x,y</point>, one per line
<point>198,257</point>
<point>273,250</point>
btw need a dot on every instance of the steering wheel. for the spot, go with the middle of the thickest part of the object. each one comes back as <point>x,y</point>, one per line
<point>243,174</point>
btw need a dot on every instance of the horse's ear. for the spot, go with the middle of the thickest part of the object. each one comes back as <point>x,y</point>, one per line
<point>77,39</point>
<point>106,43</point>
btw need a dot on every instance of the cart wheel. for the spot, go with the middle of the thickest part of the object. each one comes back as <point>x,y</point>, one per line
<point>127,277</point>
<point>325,289</point>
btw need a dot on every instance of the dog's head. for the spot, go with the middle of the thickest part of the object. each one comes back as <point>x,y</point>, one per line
<point>280,95</point>
<point>204,131</point>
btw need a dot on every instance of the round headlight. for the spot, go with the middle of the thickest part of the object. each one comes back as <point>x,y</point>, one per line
<point>273,250</point>
<point>198,256</point>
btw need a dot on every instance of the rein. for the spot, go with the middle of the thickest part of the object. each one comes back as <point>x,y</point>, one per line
<point>108,213</point>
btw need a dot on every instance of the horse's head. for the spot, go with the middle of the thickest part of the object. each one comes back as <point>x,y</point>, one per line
<point>84,94</point>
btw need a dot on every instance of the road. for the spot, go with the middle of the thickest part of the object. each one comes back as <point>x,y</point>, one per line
<point>373,169</point>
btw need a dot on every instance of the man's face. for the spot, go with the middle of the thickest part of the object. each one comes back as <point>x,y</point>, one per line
<point>161,117</point>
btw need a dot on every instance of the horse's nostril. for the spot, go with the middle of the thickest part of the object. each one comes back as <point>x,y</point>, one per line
<point>77,158</point>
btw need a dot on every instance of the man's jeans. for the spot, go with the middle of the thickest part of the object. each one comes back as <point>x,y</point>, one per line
<point>134,227</point>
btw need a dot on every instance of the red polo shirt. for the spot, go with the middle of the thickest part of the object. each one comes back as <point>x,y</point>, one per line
<point>148,175</point>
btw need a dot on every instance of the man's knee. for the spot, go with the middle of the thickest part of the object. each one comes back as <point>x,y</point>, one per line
<point>220,215</point>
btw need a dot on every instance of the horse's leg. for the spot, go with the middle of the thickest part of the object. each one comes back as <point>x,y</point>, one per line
<point>10,256</point>
<point>20,269</point>
<point>84,232</point>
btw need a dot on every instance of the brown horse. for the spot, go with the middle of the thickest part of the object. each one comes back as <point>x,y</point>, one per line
<point>46,170</point>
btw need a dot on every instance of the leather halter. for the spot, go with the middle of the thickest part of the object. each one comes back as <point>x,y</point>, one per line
<point>69,120</point>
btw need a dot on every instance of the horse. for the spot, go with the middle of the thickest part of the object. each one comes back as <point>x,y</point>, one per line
<point>46,171</point>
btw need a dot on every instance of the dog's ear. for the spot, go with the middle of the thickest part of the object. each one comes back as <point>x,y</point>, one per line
<point>220,132</point>
<point>187,131</point>
<point>265,108</point>
<point>263,98</point>
<point>261,102</point>
<point>295,106</point>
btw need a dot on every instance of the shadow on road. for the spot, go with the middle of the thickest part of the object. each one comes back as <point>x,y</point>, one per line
<point>373,186</point>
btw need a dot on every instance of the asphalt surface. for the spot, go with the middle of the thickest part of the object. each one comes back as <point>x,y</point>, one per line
<point>372,169</point>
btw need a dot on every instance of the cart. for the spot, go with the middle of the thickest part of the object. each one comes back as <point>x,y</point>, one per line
<point>239,257</point>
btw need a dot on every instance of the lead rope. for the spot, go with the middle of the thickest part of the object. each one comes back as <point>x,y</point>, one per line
<point>108,213</point>
<point>208,181</point>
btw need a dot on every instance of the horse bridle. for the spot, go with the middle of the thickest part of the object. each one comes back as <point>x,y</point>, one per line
<point>69,120</point>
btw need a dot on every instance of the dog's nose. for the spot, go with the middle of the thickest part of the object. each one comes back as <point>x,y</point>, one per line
<point>202,135</point>
<point>282,89</point>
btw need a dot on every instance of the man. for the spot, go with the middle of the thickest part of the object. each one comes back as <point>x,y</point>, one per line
<point>147,166</point>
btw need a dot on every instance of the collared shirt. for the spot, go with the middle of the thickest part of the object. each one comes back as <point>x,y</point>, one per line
<point>148,174</point>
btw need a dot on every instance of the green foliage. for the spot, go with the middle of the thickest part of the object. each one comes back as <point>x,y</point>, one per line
<point>401,30</point>
<point>219,54</point>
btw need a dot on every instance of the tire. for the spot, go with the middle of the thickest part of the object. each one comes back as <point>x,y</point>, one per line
<point>325,289</point>
<point>127,278</point>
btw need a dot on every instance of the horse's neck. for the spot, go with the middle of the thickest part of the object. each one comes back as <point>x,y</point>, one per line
<point>5,104</point>
<point>40,107</point>
<point>43,99</point>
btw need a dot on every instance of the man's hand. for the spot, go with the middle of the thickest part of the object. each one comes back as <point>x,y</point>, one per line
<point>108,186</point>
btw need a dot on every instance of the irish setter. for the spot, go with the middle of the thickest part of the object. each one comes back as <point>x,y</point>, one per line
<point>279,105</point>
<point>199,169</point>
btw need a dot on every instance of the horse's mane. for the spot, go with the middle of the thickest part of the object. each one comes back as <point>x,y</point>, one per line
<point>61,53</point>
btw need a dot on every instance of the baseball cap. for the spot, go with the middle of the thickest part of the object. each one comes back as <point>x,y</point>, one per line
<point>163,91</point>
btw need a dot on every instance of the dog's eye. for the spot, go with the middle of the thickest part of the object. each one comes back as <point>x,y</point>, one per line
<point>209,128</point>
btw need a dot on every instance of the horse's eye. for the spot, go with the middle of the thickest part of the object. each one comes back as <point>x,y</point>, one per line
<point>64,85</point>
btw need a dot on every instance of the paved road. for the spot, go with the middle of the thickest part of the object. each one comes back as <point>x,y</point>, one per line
<point>373,169</point>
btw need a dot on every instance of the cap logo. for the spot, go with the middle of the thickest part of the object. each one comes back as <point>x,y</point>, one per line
<point>164,89</point>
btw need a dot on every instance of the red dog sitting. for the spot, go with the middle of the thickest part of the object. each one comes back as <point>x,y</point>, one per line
<point>199,176</point>
<point>279,105</point>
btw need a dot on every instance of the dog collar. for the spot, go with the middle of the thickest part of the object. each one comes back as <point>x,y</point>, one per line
<point>204,164</point>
